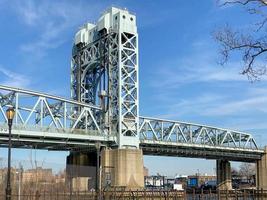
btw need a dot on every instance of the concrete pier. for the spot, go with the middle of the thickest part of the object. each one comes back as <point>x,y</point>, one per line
<point>81,171</point>
<point>261,171</point>
<point>122,168</point>
<point>224,177</point>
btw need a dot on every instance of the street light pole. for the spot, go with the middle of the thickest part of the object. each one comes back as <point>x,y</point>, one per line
<point>10,115</point>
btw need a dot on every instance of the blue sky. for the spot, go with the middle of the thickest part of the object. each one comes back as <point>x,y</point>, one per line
<point>179,75</point>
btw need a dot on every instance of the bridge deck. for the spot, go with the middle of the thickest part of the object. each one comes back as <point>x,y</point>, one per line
<point>52,140</point>
<point>64,140</point>
<point>200,151</point>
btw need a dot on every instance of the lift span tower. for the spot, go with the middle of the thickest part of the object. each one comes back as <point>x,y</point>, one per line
<point>100,125</point>
<point>105,71</point>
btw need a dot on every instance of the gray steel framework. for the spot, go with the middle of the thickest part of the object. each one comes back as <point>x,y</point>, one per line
<point>105,72</point>
<point>49,122</point>
<point>169,131</point>
<point>200,151</point>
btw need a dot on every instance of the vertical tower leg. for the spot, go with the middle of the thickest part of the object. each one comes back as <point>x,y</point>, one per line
<point>224,177</point>
<point>261,170</point>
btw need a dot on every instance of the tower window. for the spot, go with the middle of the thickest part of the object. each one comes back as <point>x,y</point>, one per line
<point>123,16</point>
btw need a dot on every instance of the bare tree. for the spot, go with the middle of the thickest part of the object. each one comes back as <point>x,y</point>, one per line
<point>234,171</point>
<point>247,170</point>
<point>251,44</point>
<point>35,168</point>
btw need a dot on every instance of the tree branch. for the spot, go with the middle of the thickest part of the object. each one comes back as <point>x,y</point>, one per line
<point>251,50</point>
<point>244,2</point>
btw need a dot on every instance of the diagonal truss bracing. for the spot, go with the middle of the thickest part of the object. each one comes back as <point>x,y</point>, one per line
<point>105,72</point>
<point>34,109</point>
<point>167,131</point>
<point>40,117</point>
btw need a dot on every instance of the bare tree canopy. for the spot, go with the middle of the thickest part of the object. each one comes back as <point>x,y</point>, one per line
<point>250,44</point>
<point>247,170</point>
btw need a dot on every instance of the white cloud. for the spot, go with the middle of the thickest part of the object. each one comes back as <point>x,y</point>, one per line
<point>28,12</point>
<point>11,78</point>
<point>217,104</point>
<point>248,105</point>
<point>246,123</point>
<point>227,98</point>
<point>52,22</point>
<point>197,105</point>
<point>199,66</point>
<point>195,71</point>
<point>229,110</point>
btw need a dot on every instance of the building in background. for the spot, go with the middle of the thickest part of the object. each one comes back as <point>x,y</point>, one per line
<point>196,181</point>
<point>39,175</point>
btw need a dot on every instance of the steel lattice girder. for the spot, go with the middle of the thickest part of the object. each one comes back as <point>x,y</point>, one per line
<point>41,110</point>
<point>168,131</point>
<point>112,59</point>
<point>47,121</point>
<point>90,65</point>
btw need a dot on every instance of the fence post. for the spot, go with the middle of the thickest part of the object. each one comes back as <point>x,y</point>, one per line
<point>145,193</point>
<point>165,196</point>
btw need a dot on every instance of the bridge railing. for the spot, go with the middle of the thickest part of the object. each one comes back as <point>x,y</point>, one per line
<point>169,132</point>
<point>38,110</point>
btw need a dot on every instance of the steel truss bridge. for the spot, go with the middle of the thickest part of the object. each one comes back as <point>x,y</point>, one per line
<point>49,122</point>
<point>104,72</point>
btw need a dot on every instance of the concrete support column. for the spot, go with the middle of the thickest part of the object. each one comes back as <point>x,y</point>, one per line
<point>224,177</point>
<point>81,171</point>
<point>261,172</point>
<point>122,168</point>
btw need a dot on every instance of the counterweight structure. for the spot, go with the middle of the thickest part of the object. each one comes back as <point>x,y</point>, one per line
<point>104,72</point>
